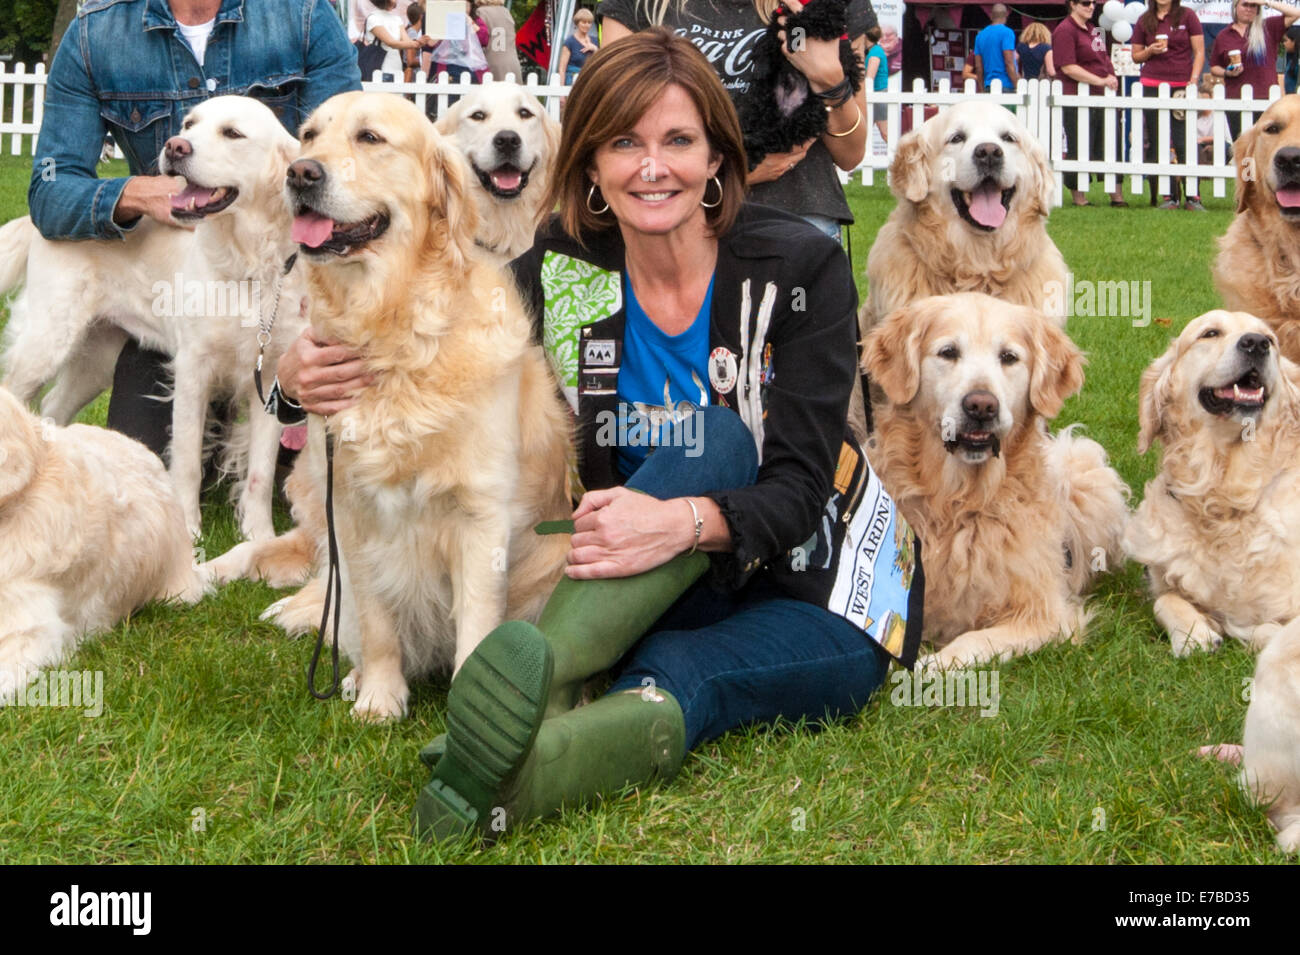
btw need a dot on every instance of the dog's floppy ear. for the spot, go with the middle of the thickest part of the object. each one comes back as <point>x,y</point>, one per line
<point>892,352</point>
<point>449,202</point>
<point>284,151</point>
<point>1058,367</point>
<point>21,446</point>
<point>448,121</point>
<point>1243,156</point>
<point>909,173</point>
<point>1153,398</point>
<point>1044,179</point>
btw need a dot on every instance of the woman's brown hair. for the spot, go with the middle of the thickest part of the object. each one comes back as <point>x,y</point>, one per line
<point>1149,19</point>
<point>613,91</point>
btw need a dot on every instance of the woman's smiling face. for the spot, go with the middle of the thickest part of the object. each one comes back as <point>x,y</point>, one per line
<point>655,175</point>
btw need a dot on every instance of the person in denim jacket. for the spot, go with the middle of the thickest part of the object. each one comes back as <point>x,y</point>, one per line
<point>129,68</point>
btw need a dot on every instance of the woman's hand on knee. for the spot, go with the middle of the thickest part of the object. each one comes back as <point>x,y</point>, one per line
<point>323,377</point>
<point>619,532</point>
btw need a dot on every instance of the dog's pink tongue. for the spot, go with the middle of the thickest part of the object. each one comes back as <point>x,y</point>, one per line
<point>311,229</point>
<point>1289,197</point>
<point>507,178</point>
<point>191,193</point>
<point>986,205</point>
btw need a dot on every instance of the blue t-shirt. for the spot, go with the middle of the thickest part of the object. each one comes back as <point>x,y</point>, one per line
<point>577,55</point>
<point>989,46</point>
<point>881,81</point>
<point>661,375</point>
<point>1032,59</point>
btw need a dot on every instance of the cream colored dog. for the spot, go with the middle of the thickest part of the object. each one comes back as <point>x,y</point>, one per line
<point>199,296</point>
<point>1270,755</point>
<point>1218,526</point>
<point>1014,522</point>
<point>459,447</point>
<point>89,531</point>
<point>510,143</point>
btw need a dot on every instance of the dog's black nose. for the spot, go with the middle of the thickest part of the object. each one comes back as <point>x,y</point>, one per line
<point>177,148</point>
<point>1254,345</point>
<point>980,406</point>
<point>988,154</point>
<point>506,141</point>
<point>304,173</point>
<point>1287,161</point>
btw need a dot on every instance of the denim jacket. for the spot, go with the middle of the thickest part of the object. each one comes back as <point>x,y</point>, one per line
<point>124,67</point>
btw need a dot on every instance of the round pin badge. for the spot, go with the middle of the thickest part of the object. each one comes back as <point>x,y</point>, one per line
<point>722,370</point>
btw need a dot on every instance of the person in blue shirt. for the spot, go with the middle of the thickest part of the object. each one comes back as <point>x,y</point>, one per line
<point>877,65</point>
<point>134,68</point>
<point>995,52</point>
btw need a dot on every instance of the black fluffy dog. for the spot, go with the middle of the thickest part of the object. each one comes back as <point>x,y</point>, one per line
<point>780,110</point>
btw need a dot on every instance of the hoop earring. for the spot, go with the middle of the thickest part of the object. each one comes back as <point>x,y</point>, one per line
<point>718,202</point>
<point>595,212</point>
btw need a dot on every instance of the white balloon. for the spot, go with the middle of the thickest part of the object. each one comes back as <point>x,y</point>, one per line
<point>1114,9</point>
<point>1105,22</point>
<point>1133,12</point>
<point>1122,31</point>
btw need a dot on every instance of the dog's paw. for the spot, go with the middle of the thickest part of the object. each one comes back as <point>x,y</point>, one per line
<point>1200,636</point>
<point>378,701</point>
<point>1288,840</point>
<point>232,565</point>
<point>296,614</point>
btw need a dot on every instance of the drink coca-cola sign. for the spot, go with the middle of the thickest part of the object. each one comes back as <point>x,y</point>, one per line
<point>730,51</point>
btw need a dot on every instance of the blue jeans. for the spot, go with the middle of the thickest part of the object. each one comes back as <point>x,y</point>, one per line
<point>826,224</point>
<point>752,655</point>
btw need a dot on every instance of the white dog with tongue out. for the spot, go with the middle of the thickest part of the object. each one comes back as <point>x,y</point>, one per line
<point>210,297</point>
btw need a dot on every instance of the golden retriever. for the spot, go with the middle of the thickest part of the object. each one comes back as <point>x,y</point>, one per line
<point>1270,755</point>
<point>1014,522</point>
<point>1258,269</point>
<point>198,296</point>
<point>459,448</point>
<point>89,531</point>
<point>1217,527</point>
<point>974,189</point>
<point>510,143</point>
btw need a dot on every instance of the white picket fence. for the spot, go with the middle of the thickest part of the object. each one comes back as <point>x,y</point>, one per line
<point>1038,103</point>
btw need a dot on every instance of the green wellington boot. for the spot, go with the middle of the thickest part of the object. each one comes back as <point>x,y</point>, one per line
<point>627,739</point>
<point>591,623</point>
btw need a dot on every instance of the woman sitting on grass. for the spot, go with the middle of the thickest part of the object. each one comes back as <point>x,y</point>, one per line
<point>725,334</point>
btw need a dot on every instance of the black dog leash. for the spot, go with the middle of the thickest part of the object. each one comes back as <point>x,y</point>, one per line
<point>264,328</point>
<point>333,586</point>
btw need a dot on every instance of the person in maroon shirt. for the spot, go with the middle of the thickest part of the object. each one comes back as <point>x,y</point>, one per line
<point>1170,45</point>
<point>1080,55</point>
<point>1255,39</point>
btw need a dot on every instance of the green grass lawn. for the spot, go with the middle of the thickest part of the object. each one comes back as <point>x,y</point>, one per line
<point>209,748</point>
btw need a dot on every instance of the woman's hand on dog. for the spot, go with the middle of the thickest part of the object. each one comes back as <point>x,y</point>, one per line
<point>322,376</point>
<point>776,165</point>
<point>817,60</point>
<point>619,532</point>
